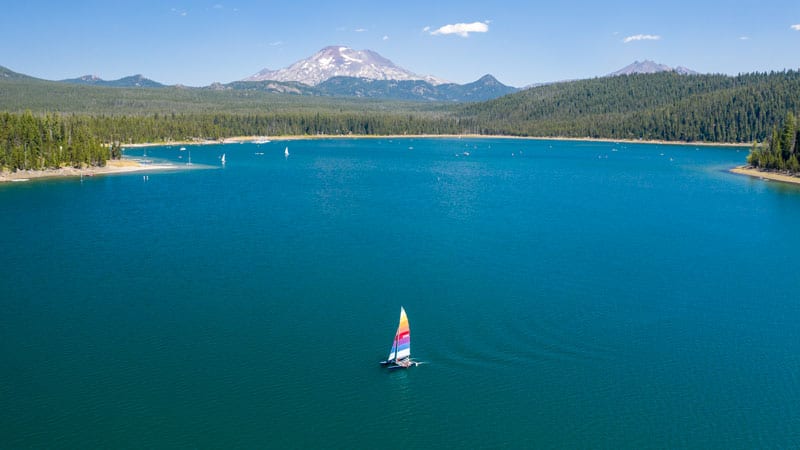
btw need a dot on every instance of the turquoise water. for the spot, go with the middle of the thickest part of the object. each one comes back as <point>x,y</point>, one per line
<point>561,294</point>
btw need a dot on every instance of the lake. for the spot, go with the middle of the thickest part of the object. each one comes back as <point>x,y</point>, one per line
<point>560,294</point>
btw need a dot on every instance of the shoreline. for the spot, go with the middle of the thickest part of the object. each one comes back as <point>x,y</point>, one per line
<point>771,176</point>
<point>112,167</point>
<point>241,139</point>
<point>120,166</point>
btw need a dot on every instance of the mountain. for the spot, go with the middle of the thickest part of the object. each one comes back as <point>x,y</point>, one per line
<point>648,66</point>
<point>409,90</point>
<point>131,81</point>
<point>338,61</point>
<point>485,88</point>
<point>8,74</point>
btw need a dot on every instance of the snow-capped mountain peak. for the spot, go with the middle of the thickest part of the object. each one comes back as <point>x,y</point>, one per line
<point>340,61</point>
<point>648,66</point>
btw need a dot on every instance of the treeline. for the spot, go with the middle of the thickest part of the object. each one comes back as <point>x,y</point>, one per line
<point>173,127</point>
<point>780,151</point>
<point>28,141</point>
<point>49,141</point>
<point>663,106</point>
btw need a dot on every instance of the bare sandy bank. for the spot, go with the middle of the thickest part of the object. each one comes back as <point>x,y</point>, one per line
<point>239,139</point>
<point>111,167</point>
<point>749,171</point>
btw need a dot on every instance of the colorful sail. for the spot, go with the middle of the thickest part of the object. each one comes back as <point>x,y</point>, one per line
<point>401,347</point>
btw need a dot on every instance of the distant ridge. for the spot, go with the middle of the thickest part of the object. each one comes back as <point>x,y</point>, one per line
<point>648,66</point>
<point>8,74</point>
<point>130,81</point>
<point>486,88</point>
<point>341,61</point>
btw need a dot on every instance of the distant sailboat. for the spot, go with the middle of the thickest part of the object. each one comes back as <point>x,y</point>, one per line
<point>400,354</point>
<point>223,159</point>
<point>286,152</point>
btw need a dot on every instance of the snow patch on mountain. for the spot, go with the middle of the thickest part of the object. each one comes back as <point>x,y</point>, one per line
<point>648,66</point>
<point>339,61</point>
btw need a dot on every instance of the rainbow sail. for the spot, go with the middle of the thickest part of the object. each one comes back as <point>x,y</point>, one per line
<point>401,347</point>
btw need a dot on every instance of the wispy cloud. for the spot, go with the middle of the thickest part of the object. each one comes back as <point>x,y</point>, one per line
<point>276,44</point>
<point>796,27</point>
<point>360,30</point>
<point>641,37</point>
<point>461,29</point>
<point>218,6</point>
<point>180,12</point>
<point>744,38</point>
<point>386,38</point>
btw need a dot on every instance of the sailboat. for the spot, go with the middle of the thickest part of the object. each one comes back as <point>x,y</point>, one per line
<point>286,152</point>
<point>400,354</point>
<point>223,159</point>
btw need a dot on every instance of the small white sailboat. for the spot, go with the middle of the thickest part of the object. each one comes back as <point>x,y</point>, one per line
<point>222,159</point>
<point>400,354</point>
<point>286,152</point>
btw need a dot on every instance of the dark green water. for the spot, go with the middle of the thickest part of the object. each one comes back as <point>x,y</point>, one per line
<point>579,295</point>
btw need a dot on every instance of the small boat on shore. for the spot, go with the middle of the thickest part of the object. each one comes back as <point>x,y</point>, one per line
<point>400,354</point>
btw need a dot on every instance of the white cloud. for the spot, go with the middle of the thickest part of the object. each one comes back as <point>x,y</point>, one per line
<point>426,29</point>
<point>796,27</point>
<point>461,29</point>
<point>641,37</point>
<point>744,38</point>
<point>360,30</point>
<point>386,38</point>
<point>276,44</point>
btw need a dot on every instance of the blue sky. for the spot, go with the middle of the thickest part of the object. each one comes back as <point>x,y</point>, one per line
<point>197,43</point>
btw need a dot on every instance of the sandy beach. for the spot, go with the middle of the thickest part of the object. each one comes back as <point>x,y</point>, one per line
<point>111,167</point>
<point>240,139</point>
<point>749,171</point>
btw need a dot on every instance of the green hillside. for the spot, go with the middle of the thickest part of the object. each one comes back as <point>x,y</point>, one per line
<point>662,106</point>
<point>19,93</point>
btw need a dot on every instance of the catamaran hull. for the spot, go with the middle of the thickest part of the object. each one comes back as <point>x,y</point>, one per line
<point>403,364</point>
<point>397,366</point>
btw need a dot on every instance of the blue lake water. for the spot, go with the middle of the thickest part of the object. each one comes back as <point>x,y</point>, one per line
<point>561,294</point>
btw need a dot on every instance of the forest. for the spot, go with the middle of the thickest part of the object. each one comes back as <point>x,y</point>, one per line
<point>780,152</point>
<point>50,141</point>
<point>663,106</point>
